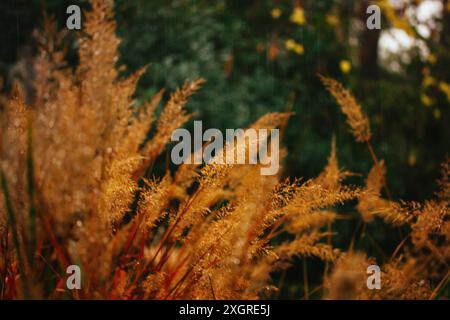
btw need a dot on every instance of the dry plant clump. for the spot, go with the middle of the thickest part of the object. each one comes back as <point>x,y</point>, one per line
<point>77,188</point>
<point>357,120</point>
<point>419,266</point>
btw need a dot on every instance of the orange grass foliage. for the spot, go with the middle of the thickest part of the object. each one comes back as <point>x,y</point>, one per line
<point>75,190</point>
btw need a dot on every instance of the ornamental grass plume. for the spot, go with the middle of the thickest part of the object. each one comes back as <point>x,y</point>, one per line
<point>78,188</point>
<point>357,120</point>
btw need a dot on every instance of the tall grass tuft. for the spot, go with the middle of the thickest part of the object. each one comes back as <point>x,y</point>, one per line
<point>79,188</point>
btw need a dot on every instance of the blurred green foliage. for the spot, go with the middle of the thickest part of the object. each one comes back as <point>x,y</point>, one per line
<point>240,49</point>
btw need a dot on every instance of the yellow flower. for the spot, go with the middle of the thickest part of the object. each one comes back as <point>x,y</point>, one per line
<point>299,49</point>
<point>432,58</point>
<point>292,45</point>
<point>426,100</point>
<point>445,88</point>
<point>412,159</point>
<point>332,19</point>
<point>395,19</point>
<point>298,16</point>
<point>275,13</point>
<point>428,81</point>
<point>437,113</point>
<point>345,66</point>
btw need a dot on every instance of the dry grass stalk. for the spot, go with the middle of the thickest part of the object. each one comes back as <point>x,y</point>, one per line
<point>82,196</point>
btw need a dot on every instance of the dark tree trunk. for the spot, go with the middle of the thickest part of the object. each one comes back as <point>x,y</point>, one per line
<point>368,54</point>
<point>445,34</point>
